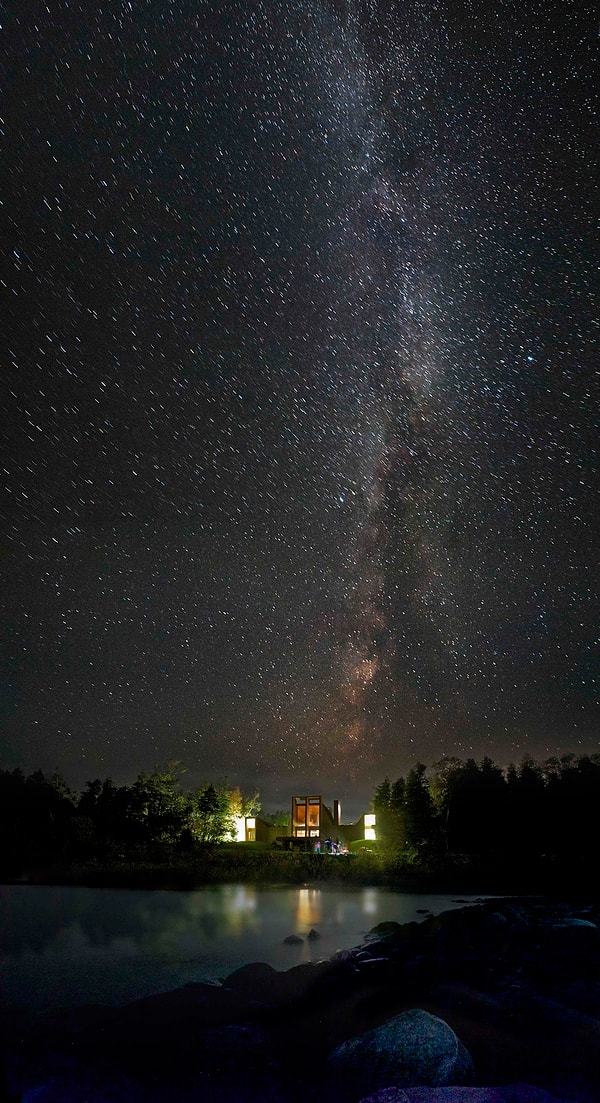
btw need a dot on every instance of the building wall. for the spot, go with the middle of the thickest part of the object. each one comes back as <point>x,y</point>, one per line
<point>252,829</point>
<point>364,828</point>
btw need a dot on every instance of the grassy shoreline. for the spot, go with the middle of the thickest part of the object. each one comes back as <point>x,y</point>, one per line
<point>248,864</point>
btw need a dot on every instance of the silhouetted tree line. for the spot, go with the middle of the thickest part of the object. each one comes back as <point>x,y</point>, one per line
<point>478,809</point>
<point>43,820</point>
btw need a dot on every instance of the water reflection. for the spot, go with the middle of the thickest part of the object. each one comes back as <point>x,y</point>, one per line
<point>241,898</point>
<point>68,946</point>
<point>370,901</point>
<point>308,910</point>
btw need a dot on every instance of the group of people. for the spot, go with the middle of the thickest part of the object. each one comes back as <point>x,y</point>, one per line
<point>331,846</point>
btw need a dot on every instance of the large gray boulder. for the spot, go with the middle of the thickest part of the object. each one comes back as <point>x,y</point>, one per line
<point>413,1048</point>
<point>507,1093</point>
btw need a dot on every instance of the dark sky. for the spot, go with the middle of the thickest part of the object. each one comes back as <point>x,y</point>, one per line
<point>300,419</point>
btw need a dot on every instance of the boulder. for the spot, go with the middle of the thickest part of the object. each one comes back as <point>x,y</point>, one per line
<point>385,930</point>
<point>413,1048</point>
<point>295,985</point>
<point>507,1093</point>
<point>573,921</point>
<point>255,981</point>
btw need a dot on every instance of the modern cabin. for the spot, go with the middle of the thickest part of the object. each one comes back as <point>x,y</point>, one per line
<point>314,825</point>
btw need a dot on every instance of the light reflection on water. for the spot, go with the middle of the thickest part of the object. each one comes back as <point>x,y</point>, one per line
<point>70,946</point>
<point>308,910</point>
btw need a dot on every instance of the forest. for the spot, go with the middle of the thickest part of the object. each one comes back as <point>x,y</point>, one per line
<point>435,822</point>
<point>534,810</point>
<point>43,820</point>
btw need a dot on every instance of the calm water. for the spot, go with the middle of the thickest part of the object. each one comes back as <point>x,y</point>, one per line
<point>66,947</point>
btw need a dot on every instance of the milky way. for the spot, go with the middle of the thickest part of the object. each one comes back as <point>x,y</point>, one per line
<point>299,391</point>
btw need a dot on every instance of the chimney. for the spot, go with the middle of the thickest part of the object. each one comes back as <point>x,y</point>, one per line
<point>337,812</point>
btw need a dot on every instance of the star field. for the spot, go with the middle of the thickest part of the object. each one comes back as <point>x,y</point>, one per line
<point>300,388</point>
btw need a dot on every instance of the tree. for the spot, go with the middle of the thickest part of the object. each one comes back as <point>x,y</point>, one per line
<point>159,805</point>
<point>572,796</point>
<point>241,804</point>
<point>526,818</point>
<point>382,809</point>
<point>114,811</point>
<point>277,819</point>
<point>63,789</point>
<point>441,789</point>
<point>397,812</point>
<point>36,816</point>
<point>212,820</point>
<point>418,809</point>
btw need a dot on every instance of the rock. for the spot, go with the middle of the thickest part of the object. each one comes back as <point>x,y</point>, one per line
<point>313,935</point>
<point>379,948</point>
<point>237,1061</point>
<point>293,939</point>
<point>574,947</point>
<point>295,985</point>
<point>571,921</point>
<point>584,995</point>
<point>497,919</point>
<point>412,1048</point>
<point>387,929</point>
<point>387,1095</point>
<point>344,957</point>
<point>507,1093</point>
<point>255,981</point>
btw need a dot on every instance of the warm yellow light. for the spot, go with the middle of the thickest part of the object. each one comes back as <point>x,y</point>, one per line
<point>240,829</point>
<point>308,911</point>
<point>250,822</point>
<point>369,825</point>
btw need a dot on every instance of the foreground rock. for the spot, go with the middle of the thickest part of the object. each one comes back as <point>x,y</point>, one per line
<point>514,984</point>
<point>510,1093</point>
<point>411,1048</point>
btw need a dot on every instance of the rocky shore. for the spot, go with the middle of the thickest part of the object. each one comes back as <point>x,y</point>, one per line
<point>498,1003</point>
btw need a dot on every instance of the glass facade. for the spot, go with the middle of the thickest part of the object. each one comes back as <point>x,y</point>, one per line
<point>306,817</point>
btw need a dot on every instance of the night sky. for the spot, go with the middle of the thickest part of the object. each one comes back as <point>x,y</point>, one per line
<point>299,413</point>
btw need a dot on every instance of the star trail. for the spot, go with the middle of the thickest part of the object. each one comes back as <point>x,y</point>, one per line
<point>300,388</point>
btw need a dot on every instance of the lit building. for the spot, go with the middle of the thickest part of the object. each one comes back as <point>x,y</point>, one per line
<point>312,819</point>
<point>253,829</point>
<point>313,825</point>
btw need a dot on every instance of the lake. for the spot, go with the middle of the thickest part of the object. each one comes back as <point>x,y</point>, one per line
<point>64,947</point>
